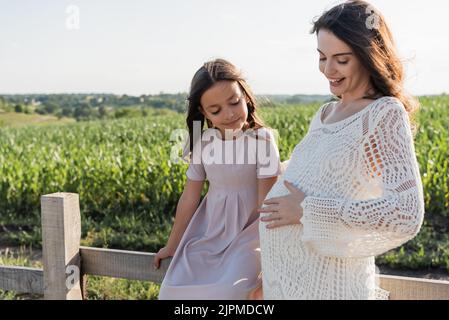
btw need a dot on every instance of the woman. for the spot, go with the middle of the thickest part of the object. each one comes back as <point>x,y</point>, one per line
<point>352,189</point>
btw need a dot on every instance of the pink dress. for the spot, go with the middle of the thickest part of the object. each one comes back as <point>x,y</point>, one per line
<point>218,256</point>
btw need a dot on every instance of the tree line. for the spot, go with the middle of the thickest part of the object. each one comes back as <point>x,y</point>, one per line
<point>104,106</point>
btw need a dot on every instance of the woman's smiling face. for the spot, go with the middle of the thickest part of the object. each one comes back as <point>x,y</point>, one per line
<point>340,66</point>
<point>224,104</point>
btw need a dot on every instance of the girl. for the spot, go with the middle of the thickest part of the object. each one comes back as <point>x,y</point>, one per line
<point>352,189</point>
<point>215,245</point>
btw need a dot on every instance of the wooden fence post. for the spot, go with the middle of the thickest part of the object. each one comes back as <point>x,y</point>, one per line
<point>61,233</point>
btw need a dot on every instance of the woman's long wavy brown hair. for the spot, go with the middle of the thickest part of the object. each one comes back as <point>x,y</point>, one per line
<point>364,30</point>
<point>210,73</point>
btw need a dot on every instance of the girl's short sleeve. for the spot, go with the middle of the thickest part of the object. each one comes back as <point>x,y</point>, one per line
<point>268,160</point>
<point>196,172</point>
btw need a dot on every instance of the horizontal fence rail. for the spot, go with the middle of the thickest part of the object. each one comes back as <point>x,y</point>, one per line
<point>66,264</point>
<point>405,288</point>
<point>130,265</point>
<point>22,279</point>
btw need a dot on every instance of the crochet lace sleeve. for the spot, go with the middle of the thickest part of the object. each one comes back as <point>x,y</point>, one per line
<point>362,228</point>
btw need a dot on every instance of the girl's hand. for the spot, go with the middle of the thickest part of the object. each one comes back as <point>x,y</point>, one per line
<point>284,210</point>
<point>163,253</point>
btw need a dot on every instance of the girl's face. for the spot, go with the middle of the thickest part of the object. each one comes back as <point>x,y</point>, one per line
<point>341,67</point>
<point>224,104</point>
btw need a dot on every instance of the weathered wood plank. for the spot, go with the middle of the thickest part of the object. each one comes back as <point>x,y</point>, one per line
<point>22,279</point>
<point>406,288</point>
<point>122,264</point>
<point>61,233</point>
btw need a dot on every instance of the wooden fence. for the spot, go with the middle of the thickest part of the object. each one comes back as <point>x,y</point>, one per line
<point>66,264</point>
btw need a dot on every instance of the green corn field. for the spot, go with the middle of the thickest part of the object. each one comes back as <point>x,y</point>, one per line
<point>129,187</point>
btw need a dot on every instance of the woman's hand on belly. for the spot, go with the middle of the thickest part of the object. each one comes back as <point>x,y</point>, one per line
<point>285,210</point>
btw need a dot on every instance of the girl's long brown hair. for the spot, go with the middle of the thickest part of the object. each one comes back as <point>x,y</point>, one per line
<point>363,28</point>
<point>204,79</point>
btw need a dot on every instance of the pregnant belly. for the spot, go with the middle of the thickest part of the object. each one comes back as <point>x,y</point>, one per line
<point>275,237</point>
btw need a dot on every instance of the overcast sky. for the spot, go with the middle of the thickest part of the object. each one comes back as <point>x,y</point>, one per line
<point>144,47</point>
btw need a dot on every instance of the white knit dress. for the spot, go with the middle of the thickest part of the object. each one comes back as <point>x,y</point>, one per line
<point>363,197</point>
